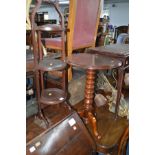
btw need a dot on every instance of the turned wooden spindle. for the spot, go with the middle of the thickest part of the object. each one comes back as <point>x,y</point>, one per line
<point>89,92</point>
<point>88,114</point>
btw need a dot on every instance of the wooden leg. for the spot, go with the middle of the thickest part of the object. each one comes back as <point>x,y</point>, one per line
<point>37,89</point>
<point>119,89</point>
<point>89,92</point>
<point>41,115</point>
<point>92,120</point>
<point>87,113</point>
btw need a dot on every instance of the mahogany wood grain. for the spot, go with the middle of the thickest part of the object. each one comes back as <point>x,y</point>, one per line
<point>53,28</point>
<point>52,96</point>
<point>42,64</point>
<point>91,62</point>
<point>54,114</point>
<point>62,137</point>
<point>51,65</point>
<point>123,142</point>
<point>113,131</point>
<point>113,50</point>
<point>119,52</point>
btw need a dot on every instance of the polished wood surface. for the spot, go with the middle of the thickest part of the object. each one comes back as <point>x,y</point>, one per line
<point>110,129</point>
<point>48,96</point>
<point>91,62</point>
<point>54,28</point>
<point>54,113</point>
<point>120,52</point>
<point>51,28</point>
<point>51,65</point>
<point>124,142</point>
<point>52,96</point>
<point>113,50</point>
<point>66,136</point>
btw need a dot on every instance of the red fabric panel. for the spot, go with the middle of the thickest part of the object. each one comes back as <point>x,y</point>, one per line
<point>56,42</point>
<point>85,22</point>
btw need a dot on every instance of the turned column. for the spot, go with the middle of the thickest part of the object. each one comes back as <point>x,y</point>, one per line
<point>89,93</point>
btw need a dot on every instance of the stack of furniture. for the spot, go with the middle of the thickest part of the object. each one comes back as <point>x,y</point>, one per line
<point>111,125</point>
<point>58,129</point>
<point>82,26</point>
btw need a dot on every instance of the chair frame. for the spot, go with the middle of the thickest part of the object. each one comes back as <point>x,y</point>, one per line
<point>70,33</point>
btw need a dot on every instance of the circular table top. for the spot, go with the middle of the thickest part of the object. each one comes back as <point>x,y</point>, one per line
<point>50,27</point>
<point>93,61</point>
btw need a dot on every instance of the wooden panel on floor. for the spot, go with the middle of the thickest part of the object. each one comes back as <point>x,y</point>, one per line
<point>54,114</point>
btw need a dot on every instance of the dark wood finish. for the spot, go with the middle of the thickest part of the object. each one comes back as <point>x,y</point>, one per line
<point>42,65</point>
<point>62,138</point>
<point>120,52</point>
<point>54,113</point>
<point>91,62</point>
<point>51,65</point>
<point>113,131</point>
<point>60,31</point>
<point>123,143</point>
<point>52,96</point>
<point>30,62</point>
<point>53,28</point>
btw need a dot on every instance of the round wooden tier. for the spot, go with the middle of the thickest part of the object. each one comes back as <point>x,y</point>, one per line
<point>93,61</point>
<point>53,28</point>
<point>51,65</point>
<point>53,96</point>
<point>50,27</point>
